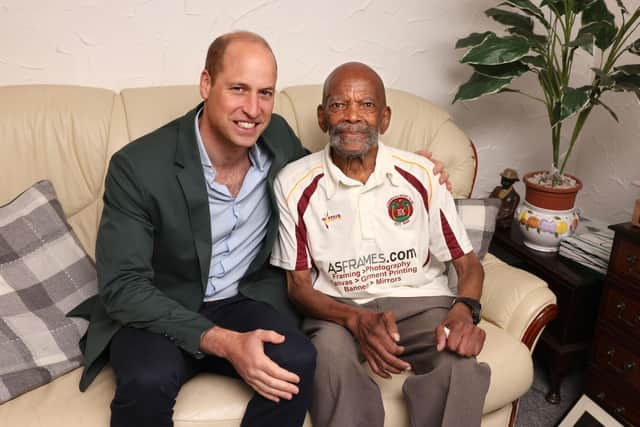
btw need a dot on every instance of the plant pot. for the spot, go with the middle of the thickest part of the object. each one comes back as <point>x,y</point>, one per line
<point>558,199</point>
<point>547,215</point>
<point>542,229</point>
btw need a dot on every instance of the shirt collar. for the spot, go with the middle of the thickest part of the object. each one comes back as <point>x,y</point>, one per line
<point>258,155</point>
<point>384,171</point>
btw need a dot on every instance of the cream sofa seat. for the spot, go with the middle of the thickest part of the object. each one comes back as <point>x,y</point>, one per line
<point>67,134</point>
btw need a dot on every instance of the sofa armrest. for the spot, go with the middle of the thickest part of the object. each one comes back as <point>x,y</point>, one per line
<point>516,301</point>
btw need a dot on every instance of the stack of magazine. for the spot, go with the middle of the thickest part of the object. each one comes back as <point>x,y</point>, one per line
<point>590,246</point>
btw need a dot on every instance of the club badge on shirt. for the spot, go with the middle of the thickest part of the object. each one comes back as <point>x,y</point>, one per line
<point>400,209</point>
<point>327,218</point>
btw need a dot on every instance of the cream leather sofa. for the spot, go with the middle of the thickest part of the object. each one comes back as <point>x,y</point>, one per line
<point>67,135</point>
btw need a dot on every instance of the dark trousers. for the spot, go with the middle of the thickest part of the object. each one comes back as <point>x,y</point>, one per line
<point>150,368</point>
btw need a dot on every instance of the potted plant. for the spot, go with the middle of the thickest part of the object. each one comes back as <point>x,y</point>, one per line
<point>543,39</point>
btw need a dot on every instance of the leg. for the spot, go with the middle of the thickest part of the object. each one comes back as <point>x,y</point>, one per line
<point>344,394</point>
<point>452,392</point>
<point>149,371</point>
<point>448,389</point>
<point>295,354</point>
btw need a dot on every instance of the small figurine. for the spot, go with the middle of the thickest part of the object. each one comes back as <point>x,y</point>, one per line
<point>509,197</point>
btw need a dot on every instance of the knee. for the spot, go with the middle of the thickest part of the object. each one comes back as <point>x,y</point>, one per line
<point>303,362</point>
<point>148,389</point>
<point>296,354</point>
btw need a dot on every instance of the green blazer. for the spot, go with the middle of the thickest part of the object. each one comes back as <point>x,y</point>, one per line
<point>154,242</point>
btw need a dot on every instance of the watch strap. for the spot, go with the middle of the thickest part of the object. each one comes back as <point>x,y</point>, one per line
<point>473,304</point>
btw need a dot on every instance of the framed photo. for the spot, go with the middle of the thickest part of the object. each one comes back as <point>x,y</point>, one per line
<point>587,413</point>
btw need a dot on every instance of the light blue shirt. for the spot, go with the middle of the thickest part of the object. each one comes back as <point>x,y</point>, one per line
<point>238,225</point>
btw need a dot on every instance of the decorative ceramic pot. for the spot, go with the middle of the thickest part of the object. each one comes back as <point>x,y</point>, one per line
<point>543,229</point>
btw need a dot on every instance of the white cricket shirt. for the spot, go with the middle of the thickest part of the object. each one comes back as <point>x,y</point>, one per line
<point>389,237</point>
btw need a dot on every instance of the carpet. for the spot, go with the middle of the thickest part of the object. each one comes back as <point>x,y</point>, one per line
<point>535,411</point>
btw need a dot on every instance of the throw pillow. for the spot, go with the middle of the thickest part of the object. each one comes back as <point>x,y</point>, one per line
<point>479,219</point>
<point>44,273</point>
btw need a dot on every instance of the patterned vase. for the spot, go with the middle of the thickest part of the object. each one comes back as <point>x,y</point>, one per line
<point>542,229</point>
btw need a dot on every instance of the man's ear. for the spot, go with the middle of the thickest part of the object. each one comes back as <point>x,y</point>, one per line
<point>322,120</point>
<point>205,84</point>
<point>386,119</point>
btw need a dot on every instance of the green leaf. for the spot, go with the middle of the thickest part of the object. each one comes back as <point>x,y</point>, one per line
<point>605,79</point>
<point>556,6</point>
<point>627,83</point>
<point>635,47</point>
<point>529,8</point>
<point>603,32</point>
<point>573,101</point>
<point>630,69</point>
<point>503,71</point>
<point>510,19</point>
<point>597,20</point>
<point>606,107</point>
<point>536,61</point>
<point>495,50</point>
<point>580,5</point>
<point>536,41</point>
<point>584,40</point>
<point>479,85</point>
<point>597,11</point>
<point>474,39</point>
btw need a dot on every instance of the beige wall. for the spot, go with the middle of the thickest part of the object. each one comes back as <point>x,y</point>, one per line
<point>125,43</point>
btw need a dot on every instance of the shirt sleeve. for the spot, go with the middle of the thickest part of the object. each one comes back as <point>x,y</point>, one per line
<point>448,239</point>
<point>290,249</point>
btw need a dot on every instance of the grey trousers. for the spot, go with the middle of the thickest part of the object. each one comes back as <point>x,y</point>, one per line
<point>446,390</point>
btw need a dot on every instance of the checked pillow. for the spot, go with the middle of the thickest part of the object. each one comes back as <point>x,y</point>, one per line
<point>479,219</point>
<point>44,273</point>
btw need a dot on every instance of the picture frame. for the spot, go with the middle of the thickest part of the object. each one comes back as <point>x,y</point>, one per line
<point>587,413</point>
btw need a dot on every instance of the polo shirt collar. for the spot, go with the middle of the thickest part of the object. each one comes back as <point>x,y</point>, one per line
<point>384,171</point>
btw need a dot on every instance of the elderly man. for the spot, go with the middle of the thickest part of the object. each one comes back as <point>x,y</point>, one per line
<point>365,231</point>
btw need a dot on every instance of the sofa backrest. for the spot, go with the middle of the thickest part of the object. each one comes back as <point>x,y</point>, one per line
<point>67,134</point>
<point>416,124</point>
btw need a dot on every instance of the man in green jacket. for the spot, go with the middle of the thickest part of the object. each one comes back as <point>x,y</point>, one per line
<point>182,253</point>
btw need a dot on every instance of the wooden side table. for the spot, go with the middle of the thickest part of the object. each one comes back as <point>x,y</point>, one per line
<point>565,343</point>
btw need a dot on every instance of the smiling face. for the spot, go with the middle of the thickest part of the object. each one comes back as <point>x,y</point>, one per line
<point>239,102</point>
<point>354,110</point>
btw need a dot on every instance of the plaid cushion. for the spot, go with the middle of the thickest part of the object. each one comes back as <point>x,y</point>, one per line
<point>479,219</point>
<point>44,273</point>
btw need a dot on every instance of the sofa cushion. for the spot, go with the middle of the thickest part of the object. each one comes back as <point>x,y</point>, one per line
<point>201,403</point>
<point>44,273</point>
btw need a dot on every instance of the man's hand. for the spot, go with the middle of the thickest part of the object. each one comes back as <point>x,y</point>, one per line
<point>465,338</point>
<point>377,335</point>
<point>245,351</point>
<point>438,169</point>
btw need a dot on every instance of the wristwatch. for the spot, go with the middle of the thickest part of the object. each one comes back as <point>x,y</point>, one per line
<point>473,304</point>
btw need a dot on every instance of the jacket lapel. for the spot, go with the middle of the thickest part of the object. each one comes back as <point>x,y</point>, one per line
<point>191,178</point>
